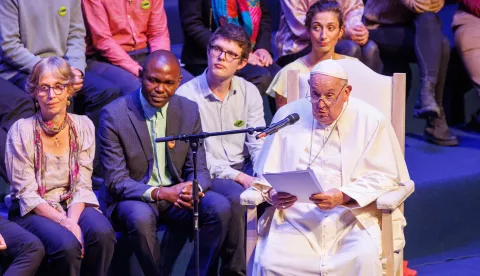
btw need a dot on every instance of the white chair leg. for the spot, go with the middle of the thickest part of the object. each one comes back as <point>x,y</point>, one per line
<point>387,241</point>
<point>251,237</point>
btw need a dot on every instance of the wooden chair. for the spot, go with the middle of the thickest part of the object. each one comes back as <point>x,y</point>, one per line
<point>388,95</point>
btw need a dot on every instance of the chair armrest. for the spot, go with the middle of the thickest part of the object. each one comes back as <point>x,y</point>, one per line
<point>393,199</point>
<point>251,197</point>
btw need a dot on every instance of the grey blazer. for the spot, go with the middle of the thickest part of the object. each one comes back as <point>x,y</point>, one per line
<point>126,148</point>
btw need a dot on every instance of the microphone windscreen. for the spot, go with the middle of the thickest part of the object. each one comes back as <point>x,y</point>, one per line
<point>293,118</point>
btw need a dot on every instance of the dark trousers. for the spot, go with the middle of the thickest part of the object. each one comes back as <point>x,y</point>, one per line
<point>140,220</point>
<point>63,250</point>
<point>369,54</point>
<point>24,252</point>
<point>126,81</point>
<point>421,41</point>
<point>96,92</point>
<point>233,249</point>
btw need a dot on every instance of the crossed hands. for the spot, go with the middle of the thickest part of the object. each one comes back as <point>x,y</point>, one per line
<point>359,34</point>
<point>325,201</point>
<point>260,57</point>
<point>181,195</point>
<point>73,227</point>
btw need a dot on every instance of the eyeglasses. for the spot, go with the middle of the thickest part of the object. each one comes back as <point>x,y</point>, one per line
<point>58,89</point>
<point>328,100</point>
<point>217,51</point>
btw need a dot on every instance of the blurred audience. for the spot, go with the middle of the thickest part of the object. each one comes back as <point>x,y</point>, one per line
<point>120,37</point>
<point>293,40</point>
<point>410,30</point>
<point>49,159</point>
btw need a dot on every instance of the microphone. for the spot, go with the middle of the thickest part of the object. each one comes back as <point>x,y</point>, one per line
<point>289,120</point>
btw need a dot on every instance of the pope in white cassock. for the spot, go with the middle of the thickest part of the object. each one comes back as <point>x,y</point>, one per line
<point>353,151</point>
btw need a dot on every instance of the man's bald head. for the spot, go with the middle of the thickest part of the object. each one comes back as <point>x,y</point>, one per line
<point>160,77</point>
<point>161,58</point>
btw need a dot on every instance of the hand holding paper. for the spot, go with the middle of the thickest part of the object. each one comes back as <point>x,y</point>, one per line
<point>330,199</point>
<point>302,184</point>
<point>282,201</point>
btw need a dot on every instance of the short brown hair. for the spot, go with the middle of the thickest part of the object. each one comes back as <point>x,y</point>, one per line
<point>55,65</point>
<point>236,34</point>
<point>323,6</point>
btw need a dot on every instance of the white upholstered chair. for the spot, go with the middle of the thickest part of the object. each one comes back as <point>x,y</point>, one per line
<point>388,95</point>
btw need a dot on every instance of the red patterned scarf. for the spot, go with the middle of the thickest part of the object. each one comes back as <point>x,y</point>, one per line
<point>40,159</point>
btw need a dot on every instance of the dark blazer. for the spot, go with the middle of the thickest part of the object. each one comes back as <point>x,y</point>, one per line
<point>126,149</point>
<point>198,26</point>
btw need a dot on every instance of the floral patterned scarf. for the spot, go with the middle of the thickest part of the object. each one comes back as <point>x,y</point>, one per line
<point>244,13</point>
<point>40,159</point>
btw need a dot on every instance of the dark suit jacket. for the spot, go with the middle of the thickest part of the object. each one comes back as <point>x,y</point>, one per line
<point>198,26</point>
<point>126,149</point>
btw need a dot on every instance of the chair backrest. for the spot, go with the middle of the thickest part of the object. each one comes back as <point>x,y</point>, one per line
<point>385,93</point>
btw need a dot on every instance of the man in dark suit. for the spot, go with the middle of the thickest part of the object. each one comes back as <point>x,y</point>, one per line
<point>150,183</point>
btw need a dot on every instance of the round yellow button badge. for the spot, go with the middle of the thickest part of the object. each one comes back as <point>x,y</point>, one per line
<point>145,4</point>
<point>62,11</point>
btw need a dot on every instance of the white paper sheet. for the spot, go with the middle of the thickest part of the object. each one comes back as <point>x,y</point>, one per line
<point>301,184</point>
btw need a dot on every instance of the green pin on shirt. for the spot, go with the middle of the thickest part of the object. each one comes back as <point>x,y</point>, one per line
<point>62,11</point>
<point>145,4</point>
<point>239,123</point>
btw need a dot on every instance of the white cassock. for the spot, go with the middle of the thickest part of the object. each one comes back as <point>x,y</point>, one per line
<point>363,159</point>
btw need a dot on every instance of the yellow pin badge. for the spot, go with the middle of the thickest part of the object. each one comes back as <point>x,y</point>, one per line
<point>239,123</point>
<point>171,144</point>
<point>145,4</point>
<point>62,11</point>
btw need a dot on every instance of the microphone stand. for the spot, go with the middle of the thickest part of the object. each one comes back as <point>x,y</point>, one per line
<point>195,142</point>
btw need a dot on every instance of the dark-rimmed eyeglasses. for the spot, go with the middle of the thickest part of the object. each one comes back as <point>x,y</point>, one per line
<point>216,51</point>
<point>58,89</point>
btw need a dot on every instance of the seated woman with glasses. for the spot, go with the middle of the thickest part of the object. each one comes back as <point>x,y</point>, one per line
<point>324,23</point>
<point>49,159</point>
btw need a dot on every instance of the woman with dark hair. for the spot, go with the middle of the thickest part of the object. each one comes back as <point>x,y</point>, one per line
<point>325,27</point>
<point>49,160</point>
<point>292,39</point>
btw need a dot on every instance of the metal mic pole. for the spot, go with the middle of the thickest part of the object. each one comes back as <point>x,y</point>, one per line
<point>194,140</point>
<point>194,143</point>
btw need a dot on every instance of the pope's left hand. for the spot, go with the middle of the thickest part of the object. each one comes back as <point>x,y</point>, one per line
<point>330,199</point>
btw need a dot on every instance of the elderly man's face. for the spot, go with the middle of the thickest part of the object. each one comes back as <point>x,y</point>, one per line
<point>160,80</point>
<point>327,95</point>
